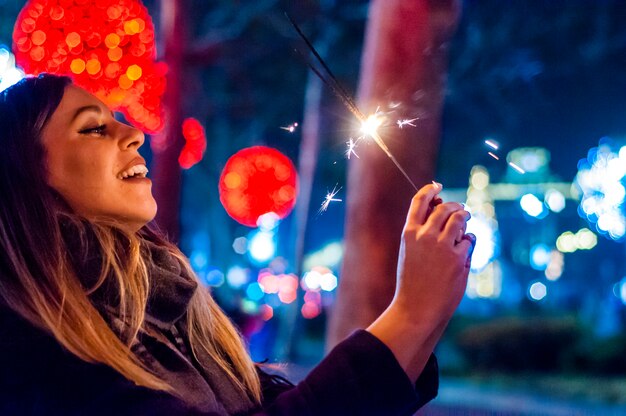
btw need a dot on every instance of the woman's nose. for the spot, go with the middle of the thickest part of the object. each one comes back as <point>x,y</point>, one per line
<point>131,137</point>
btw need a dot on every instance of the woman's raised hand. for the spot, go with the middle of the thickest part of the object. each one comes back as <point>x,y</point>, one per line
<point>433,263</point>
<point>433,266</point>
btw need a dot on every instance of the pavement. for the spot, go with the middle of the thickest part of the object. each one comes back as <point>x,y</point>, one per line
<point>461,398</point>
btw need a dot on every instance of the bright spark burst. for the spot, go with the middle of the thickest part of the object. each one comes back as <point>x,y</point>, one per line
<point>407,122</point>
<point>351,145</point>
<point>492,144</point>
<point>330,197</point>
<point>290,128</point>
<point>493,155</point>
<point>369,126</point>
<point>517,168</point>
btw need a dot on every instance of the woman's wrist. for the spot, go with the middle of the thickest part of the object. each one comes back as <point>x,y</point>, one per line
<point>412,341</point>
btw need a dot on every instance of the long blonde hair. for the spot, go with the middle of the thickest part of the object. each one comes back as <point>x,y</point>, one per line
<point>38,279</point>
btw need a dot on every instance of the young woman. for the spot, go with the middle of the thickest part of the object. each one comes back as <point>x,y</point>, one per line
<point>99,314</point>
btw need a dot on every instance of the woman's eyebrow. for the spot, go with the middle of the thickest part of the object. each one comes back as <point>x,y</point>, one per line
<point>92,107</point>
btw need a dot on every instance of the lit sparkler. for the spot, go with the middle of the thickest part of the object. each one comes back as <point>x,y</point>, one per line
<point>369,124</point>
<point>330,197</point>
<point>290,128</point>
<point>407,122</point>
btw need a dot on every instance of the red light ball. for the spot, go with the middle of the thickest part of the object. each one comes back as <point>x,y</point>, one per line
<point>195,143</point>
<point>106,46</point>
<point>256,181</point>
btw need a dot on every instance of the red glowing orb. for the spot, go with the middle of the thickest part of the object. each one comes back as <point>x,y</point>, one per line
<point>256,181</point>
<point>195,143</point>
<point>106,46</point>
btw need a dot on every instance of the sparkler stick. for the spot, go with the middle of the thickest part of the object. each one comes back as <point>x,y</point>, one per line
<point>331,81</point>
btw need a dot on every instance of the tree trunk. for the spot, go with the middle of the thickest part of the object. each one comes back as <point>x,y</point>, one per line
<point>404,61</point>
<point>167,145</point>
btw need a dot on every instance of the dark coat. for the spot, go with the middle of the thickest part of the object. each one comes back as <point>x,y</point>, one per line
<point>359,377</point>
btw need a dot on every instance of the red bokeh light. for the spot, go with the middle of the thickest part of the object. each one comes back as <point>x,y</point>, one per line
<point>106,46</point>
<point>255,181</point>
<point>195,143</point>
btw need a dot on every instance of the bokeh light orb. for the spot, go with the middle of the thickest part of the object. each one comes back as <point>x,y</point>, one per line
<point>601,179</point>
<point>195,143</point>
<point>9,73</point>
<point>106,46</point>
<point>256,181</point>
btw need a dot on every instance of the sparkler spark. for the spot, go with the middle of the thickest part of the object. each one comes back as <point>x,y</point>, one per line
<point>351,145</point>
<point>330,197</point>
<point>327,76</point>
<point>290,128</point>
<point>407,122</point>
<point>493,155</point>
<point>517,168</point>
<point>492,144</point>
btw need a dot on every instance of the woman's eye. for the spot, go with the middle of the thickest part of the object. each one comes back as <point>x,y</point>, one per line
<point>99,130</point>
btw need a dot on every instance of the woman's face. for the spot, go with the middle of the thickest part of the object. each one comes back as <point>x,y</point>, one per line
<point>93,161</point>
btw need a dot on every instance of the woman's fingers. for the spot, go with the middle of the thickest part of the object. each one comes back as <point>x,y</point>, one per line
<point>462,247</point>
<point>422,203</point>
<point>455,226</point>
<point>442,214</point>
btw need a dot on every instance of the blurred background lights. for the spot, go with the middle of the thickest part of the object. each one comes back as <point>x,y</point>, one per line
<point>485,248</point>
<point>310,310</point>
<point>620,290</point>
<point>237,277</point>
<point>249,306</point>
<point>584,239</point>
<point>312,306</point>
<point>554,269</point>
<point>328,282</point>
<point>213,277</point>
<point>269,282</point>
<point>195,143</point>
<point>199,259</point>
<point>268,222</point>
<point>287,288</point>
<point>530,159</point>
<point>240,245</point>
<point>9,73</point>
<point>485,278</point>
<point>329,256</point>
<point>480,180</point>
<point>566,242</point>
<point>261,246</point>
<point>254,291</point>
<point>600,178</point>
<point>312,280</point>
<point>555,200</point>
<point>537,291</point>
<point>319,278</point>
<point>539,256</point>
<point>532,205</point>
<point>267,312</point>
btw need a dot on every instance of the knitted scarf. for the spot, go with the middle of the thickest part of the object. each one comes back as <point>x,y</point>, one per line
<point>162,344</point>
